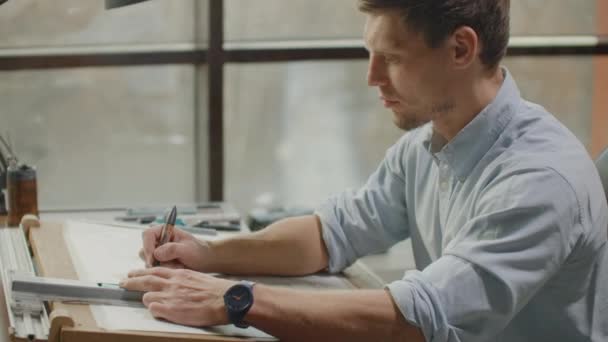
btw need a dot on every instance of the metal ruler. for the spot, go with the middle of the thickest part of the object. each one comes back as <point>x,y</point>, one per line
<point>28,289</point>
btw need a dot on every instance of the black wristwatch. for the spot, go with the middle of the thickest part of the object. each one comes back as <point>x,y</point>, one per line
<point>238,299</point>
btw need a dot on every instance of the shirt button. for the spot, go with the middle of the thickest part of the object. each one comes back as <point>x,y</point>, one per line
<point>443,185</point>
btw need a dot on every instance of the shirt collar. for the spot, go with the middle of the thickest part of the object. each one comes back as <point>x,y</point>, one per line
<point>467,148</point>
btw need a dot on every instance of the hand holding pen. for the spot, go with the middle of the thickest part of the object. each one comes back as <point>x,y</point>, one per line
<point>169,246</point>
<point>166,232</point>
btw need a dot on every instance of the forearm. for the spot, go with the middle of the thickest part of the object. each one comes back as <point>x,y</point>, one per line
<point>356,315</point>
<point>292,246</point>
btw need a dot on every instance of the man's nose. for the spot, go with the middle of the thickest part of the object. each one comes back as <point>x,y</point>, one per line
<point>376,72</point>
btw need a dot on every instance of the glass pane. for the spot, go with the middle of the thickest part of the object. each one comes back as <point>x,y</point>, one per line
<point>104,137</point>
<point>563,85</point>
<point>34,23</point>
<point>318,19</point>
<point>202,127</point>
<point>298,132</point>
<point>202,22</point>
<point>293,19</point>
<point>551,17</point>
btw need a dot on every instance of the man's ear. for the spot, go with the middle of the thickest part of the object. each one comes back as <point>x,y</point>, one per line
<point>464,46</point>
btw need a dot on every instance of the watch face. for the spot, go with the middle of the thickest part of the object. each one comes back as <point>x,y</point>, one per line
<point>238,298</point>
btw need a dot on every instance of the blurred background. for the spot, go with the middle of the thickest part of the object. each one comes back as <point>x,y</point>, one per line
<point>254,102</point>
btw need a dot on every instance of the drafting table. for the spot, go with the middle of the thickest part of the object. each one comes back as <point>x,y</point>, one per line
<point>85,329</point>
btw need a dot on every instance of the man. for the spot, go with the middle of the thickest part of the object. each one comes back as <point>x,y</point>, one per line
<point>505,210</point>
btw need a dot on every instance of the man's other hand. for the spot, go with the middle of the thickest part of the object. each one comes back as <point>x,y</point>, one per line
<point>181,296</point>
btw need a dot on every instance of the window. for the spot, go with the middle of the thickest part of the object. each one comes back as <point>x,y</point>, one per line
<point>109,136</point>
<point>137,105</point>
<point>102,137</point>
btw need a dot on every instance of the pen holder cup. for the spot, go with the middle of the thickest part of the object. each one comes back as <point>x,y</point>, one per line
<point>22,194</point>
<point>3,199</point>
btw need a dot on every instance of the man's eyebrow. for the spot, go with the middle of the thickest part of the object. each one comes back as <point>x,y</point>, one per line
<point>389,49</point>
<point>391,46</point>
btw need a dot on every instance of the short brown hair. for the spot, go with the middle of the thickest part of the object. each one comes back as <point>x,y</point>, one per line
<point>437,19</point>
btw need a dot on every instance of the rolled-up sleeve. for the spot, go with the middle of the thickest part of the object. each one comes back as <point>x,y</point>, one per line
<point>369,220</point>
<point>523,229</point>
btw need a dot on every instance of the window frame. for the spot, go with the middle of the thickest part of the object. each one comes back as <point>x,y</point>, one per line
<point>218,53</point>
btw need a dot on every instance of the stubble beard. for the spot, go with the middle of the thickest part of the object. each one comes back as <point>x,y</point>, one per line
<point>408,121</point>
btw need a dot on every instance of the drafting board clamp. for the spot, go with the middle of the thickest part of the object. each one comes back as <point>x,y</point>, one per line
<point>24,322</point>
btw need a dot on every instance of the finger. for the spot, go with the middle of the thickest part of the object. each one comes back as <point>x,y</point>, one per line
<point>179,235</point>
<point>160,310</point>
<point>152,297</point>
<point>144,283</point>
<point>173,265</point>
<point>169,251</point>
<point>150,238</point>
<point>160,272</point>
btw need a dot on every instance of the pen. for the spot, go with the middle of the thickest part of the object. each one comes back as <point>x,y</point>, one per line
<point>166,232</point>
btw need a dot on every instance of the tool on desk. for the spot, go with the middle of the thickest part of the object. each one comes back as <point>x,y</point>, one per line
<point>159,210</point>
<point>146,219</point>
<point>28,291</point>
<point>189,229</point>
<point>227,226</point>
<point>120,3</point>
<point>166,232</point>
<point>189,214</point>
<point>203,225</point>
<point>137,219</point>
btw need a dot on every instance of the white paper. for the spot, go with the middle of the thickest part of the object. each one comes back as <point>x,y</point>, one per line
<point>104,253</point>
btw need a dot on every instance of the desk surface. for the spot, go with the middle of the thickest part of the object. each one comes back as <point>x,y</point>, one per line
<point>387,267</point>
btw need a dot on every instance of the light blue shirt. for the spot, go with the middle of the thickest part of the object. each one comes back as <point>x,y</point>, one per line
<point>508,223</point>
